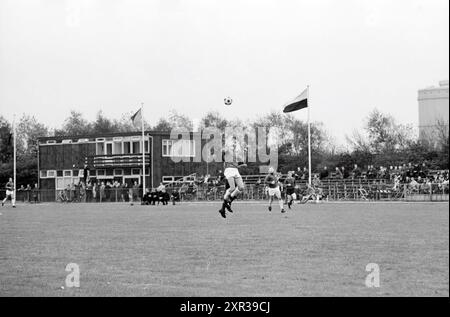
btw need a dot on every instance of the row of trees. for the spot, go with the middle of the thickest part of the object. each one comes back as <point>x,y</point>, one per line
<point>382,142</point>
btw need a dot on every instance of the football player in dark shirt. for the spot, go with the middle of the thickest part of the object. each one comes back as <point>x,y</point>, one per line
<point>289,184</point>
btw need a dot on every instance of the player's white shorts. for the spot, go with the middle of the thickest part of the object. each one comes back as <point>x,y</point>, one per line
<point>275,192</point>
<point>231,172</point>
<point>9,192</point>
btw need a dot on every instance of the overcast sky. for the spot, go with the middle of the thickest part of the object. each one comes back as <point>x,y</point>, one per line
<point>188,55</point>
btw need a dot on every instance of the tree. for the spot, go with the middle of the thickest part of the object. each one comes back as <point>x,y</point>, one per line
<point>104,125</point>
<point>278,123</point>
<point>28,130</point>
<point>213,119</point>
<point>180,121</point>
<point>6,141</point>
<point>320,142</point>
<point>26,149</point>
<point>162,125</point>
<point>292,134</point>
<point>382,135</point>
<point>75,124</point>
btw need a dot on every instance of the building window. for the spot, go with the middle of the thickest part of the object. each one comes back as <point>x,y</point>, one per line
<point>136,171</point>
<point>100,149</point>
<point>59,173</point>
<point>168,179</point>
<point>136,147</point>
<point>43,174</point>
<point>67,173</point>
<point>101,173</point>
<point>117,148</point>
<point>166,147</point>
<point>126,147</point>
<point>109,148</point>
<point>51,174</point>
<point>118,172</point>
<point>178,148</point>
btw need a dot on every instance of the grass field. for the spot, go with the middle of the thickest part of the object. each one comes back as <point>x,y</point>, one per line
<point>189,250</point>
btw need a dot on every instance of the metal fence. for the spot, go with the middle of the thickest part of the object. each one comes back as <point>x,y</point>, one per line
<point>330,190</point>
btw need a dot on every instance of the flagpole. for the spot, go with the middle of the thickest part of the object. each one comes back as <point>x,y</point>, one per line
<point>309,138</point>
<point>143,150</point>
<point>14,163</point>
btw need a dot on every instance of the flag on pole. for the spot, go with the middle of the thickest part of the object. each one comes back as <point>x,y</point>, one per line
<point>137,118</point>
<point>298,103</point>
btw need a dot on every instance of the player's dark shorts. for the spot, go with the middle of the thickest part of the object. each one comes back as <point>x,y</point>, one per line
<point>290,191</point>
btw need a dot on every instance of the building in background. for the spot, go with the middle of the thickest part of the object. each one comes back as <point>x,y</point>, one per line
<point>433,112</point>
<point>118,157</point>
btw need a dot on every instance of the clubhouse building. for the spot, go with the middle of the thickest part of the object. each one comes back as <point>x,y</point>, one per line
<point>118,157</point>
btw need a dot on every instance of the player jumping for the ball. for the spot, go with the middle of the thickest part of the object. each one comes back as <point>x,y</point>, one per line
<point>10,193</point>
<point>232,175</point>
<point>272,180</point>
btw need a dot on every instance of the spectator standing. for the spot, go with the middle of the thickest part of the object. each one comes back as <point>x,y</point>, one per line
<point>338,173</point>
<point>305,174</point>
<point>35,193</point>
<point>94,191</point>
<point>356,172</point>
<point>89,192</point>
<point>345,173</point>
<point>28,193</point>
<point>108,190</point>
<point>134,192</point>
<point>102,191</point>
<point>324,173</point>
<point>21,193</point>
<point>124,194</point>
<point>82,192</point>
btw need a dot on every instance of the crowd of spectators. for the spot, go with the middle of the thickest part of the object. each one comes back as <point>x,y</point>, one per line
<point>402,173</point>
<point>28,194</point>
<point>115,192</point>
<point>99,192</point>
<point>416,176</point>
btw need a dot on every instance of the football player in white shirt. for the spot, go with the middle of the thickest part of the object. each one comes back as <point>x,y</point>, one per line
<point>234,158</point>
<point>10,193</point>
<point>273,182</point>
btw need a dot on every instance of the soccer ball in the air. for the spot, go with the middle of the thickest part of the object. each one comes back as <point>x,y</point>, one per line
<point>227,101</point>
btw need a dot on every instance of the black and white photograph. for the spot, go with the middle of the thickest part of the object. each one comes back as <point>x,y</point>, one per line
<point>224,153</point>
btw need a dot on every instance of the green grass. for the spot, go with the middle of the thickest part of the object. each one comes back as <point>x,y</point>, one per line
<point>189,250</point>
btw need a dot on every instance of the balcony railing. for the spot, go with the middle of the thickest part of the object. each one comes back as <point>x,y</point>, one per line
<point>117,160</point>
